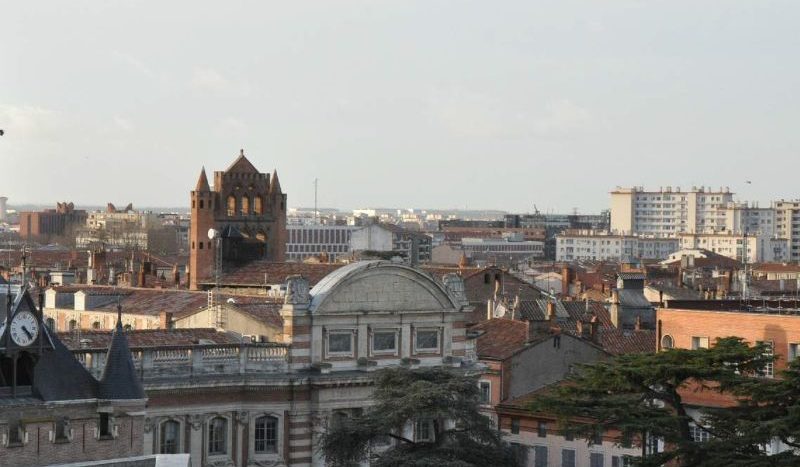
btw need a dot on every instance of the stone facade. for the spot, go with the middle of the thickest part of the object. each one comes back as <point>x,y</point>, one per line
<point>265,404</point>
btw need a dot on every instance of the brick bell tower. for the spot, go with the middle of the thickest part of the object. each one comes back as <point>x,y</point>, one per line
<point>248,208</point>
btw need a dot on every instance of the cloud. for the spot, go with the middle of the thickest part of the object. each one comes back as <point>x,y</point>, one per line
<point>31,122</point>
<point>211,81</point>
<point>123,124</point>
<point>562,117</point>
<point>469,114</point>
<point>134,63</point>
<point>231,127</point>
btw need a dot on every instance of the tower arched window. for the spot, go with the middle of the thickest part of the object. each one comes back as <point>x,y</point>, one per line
<point>231,205</point>
<point>667,342</point>
<point>73,325</point>
<point>245,205</point>
<point>258,205</point>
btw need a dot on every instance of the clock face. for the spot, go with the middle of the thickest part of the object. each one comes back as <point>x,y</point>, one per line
<point>24,328</point>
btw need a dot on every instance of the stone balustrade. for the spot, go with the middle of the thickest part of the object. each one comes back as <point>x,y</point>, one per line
<point>216,360</point>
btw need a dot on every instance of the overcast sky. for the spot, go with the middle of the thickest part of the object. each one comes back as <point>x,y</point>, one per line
<point>477,104</point>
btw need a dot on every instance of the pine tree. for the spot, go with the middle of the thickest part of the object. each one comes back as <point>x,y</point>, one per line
<point>641,395</point>
<point>444,399</point>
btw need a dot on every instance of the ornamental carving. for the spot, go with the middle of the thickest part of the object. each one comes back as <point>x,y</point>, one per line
<point>297,291</point>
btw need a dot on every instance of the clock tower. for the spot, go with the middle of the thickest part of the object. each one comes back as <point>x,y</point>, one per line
<point>23,340</point>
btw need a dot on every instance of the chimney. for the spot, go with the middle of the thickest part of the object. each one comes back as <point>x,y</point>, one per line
<point>584,329</point>
<point>615,296</point>
<point>594,324</point>
<point>586,303</point>
<point>141,279</point>
<point>551,311</point>
<point>489,309</point>
<point>165,320</point>
<point>566,279</point>
<point>638,325</point>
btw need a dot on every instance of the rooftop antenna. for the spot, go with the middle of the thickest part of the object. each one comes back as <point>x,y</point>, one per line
<point>316,186</point>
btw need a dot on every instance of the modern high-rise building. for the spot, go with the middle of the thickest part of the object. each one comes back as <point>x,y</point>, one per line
<point>668,211</point>
<point>787,224</point>
<point>248,211</point>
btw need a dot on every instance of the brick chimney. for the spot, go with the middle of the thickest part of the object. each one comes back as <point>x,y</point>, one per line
<point>638,325</point>
<point>165,320</point>
<point>551,311</point>
<point>566,279</point>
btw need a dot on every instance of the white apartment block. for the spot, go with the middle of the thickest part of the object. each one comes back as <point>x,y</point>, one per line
<point>787,225</point>
<point>760,248</point>
<point>667,212</point>
<point>304,241</point>
<point>602,246</point>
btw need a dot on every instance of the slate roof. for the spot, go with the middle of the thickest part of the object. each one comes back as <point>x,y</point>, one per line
<point>568,313</point>
<point>119,380</point>
<point>631,276</point>
<point>633,298</point>
<point>253,273</point>
<point>776,267</point>
<point>142,338</point>
<point>57,375</point>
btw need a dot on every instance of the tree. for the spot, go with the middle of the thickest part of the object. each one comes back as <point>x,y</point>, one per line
<point>443,401</point>
<point>641,395</point>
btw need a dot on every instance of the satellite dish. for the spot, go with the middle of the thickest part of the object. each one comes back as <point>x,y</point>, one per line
<point>212,233</point>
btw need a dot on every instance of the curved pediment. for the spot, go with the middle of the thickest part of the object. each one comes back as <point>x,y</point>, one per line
<point>379,286</point>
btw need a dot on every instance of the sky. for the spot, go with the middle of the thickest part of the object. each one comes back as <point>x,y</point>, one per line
<point>413,103</point>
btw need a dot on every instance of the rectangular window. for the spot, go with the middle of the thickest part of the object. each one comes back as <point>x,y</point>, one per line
<point>540,456</point>
<point>698,434</point>
<point>596,459</point>
<point>384,342</point>
<point>105,425</point>
<point>423,430</point>
<point>340,343</point>
<point>514,426</point>
<point>427,341</point>
<point>486,392</point>
<point>568,436</point>
<point>266,436</point>
<point>170,435</point>
<point>699,343</point>
<point>217,436</point>
<point>541,429</point>
<point>793,351</point>
<point>567,458</point>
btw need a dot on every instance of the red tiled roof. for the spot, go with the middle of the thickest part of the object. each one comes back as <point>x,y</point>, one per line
<point>148,338</point>
<point>501,338</point>
<point>776,267</point>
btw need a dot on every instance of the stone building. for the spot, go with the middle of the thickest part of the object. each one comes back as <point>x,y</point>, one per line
<point>53,410</point>
<point>265,403</point>
<point>247,209</point>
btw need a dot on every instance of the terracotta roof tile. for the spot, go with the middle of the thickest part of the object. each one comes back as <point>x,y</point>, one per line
<point>501,338</point>
<point>255,273</point>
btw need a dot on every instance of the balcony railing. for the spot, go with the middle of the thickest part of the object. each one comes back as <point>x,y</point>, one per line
<point>195,360</point>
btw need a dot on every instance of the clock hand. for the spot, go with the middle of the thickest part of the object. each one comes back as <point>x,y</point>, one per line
<point>28,333</point>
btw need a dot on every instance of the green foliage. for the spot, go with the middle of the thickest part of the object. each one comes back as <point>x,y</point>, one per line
<point>445,398</point>
<point>642,394</point>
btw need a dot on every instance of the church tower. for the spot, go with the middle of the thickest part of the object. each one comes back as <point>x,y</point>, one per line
<point>247,208</point>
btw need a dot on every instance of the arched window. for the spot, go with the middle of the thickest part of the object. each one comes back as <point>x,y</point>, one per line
<point>266,436</point>
<point>128,327</point>
<point>667,342</point>
<point>170,437</point>
<point>51,324</point>
<point>217,436</point>
<point>96,325</point>
<point>245,205</point>
<point>258,205</point>
<point>231,205</point>
<point>73,324</point>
